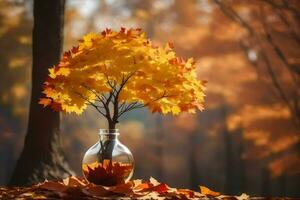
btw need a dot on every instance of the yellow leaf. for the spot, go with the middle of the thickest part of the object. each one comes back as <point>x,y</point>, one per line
<point>176,110</point>
<point>101,62</point>
<point>206,191</point>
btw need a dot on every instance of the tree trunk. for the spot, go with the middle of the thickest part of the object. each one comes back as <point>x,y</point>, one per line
<point>235,172</point>
<point>241,181</point>
<point>42,157</point>
<point>159,137</point>
<point>265,182</point>
<point>228,154</point>
<point>192,159</point>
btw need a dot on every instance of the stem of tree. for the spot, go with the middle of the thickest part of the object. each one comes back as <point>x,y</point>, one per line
<point>113,98</point>
<point>111,124</point>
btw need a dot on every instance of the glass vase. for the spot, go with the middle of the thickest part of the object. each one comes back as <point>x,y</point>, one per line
<point>108,162</point>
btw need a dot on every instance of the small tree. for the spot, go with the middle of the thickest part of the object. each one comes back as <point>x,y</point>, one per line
<point>116,72</point>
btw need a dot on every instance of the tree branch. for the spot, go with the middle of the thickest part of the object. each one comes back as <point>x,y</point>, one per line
<point>284,6</point>
<point>136,105</point>
<point>234,16</point>
<point>277,50</point>
<point>104,103</point>
<point>284,20</point>
<point>92,104</point>
<point>262,54</point>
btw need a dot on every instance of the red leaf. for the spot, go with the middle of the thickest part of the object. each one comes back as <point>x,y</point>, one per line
<point>161,188</point>
<point>75,49</point>
<point>171,45</point>
<point>56,106</point>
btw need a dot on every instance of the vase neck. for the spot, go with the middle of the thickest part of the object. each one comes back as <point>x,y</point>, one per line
<point>108,134</point>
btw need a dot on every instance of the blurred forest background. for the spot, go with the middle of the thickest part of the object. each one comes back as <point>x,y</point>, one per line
<point>247,139</point>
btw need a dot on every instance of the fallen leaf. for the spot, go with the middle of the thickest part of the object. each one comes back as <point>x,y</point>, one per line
<point>186,192</point>
<point>143,186</point>
<point>96,190</point>
<point>78,188</point>
<point>243,196</point>
<point>154,181</point>
<point>206,191</point>
<point>53,186</point>
<point>161,188</point>
<point>73,181</point>
<point>126,188</point>
<point>137,182</point>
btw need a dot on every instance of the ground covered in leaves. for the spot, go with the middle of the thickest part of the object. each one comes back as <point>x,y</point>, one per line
<point>78,188</point>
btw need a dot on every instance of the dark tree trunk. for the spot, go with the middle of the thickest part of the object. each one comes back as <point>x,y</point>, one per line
<point>42,157</point>
<point>159,148</point>
<point>265,182</point>
<point>229,188</point>
<point>241,179</point>
<point>283,184</point>
<point>192,159</point>
<point>235,178</point>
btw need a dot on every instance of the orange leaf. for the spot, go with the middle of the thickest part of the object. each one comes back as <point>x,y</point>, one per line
<point>45,101</point>
<point>96,190</point>
<point>161,188</point>
<point>73,181</point>
<point>107,173</point>
<point>125,188</point>
<point>206,191</point>
<point>143,186</point>
<point>186,192</point>
<point>53,186</point>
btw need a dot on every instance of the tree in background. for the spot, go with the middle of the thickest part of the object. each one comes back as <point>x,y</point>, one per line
<point>42,157</point>
<point>271,42</point>
<point>14,84</point>
<point>272,39</point>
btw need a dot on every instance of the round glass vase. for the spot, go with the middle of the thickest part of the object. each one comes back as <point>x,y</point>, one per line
<point>108,162</point>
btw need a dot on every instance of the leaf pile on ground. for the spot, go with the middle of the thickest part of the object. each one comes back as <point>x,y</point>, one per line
<point>78,188</point>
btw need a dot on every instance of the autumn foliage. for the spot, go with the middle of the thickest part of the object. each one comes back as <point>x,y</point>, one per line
<point>77,188</point>
<point>107,173</point>
<point>124,69</point>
